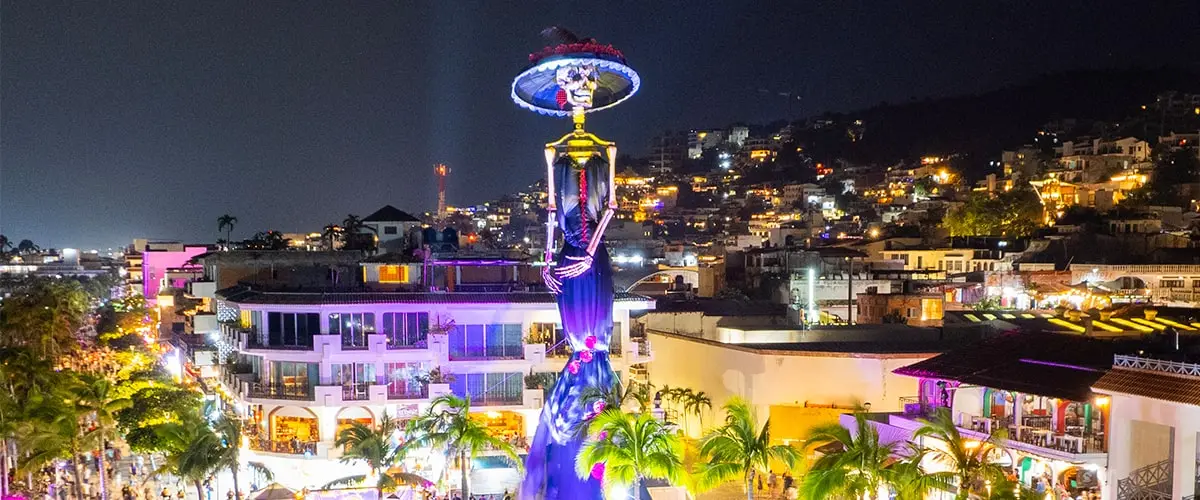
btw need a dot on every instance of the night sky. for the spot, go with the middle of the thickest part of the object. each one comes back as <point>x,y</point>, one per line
<point>150,119</point>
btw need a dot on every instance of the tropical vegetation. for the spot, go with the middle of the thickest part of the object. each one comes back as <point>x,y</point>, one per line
<point>447,425</point>
<point>380,449</point>
<point>226,223</point>
<point>739,449</point>
<point>632,448</point>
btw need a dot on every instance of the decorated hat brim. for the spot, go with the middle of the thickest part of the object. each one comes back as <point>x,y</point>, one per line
<point>535,88</point>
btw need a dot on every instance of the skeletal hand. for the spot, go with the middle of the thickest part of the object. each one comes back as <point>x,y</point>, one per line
<point>552,283</point>
<point>580,266</point>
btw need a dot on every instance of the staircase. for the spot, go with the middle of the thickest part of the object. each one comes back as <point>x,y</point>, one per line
<point>1152,482</point>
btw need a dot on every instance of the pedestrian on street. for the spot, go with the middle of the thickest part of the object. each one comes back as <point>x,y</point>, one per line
<point>772,480</point>
<point>166,494</point>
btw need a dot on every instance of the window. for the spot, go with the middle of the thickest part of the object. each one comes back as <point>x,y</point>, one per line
<point>293,379</point>
<point>393,274</point>
<point>1195,283</point>
<point>353,327</point>
<point>402,379</point>
<point>920,262</point>
<point>487,389</point>
<point>352,373</point>
<point>497,341</point>
<point>931,309</point>
<point>292,329</point>
<point>405,330</point>
<point>1171,284</point>
<point>389,230</point>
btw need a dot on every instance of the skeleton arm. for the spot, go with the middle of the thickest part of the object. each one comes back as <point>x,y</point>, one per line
<point>551,221</point>
<point>611,207</point>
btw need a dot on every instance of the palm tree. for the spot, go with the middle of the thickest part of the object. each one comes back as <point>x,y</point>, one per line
<point>376,447</point>
<point>696,402</point>
<point>193,450</point>
<point>330,233</point>
<point>226,223</point>
<point>229,431</point>
<point>27,246</point>
<point>448,425</point>
<point>95,399</point>
<point>354,238</point>
<point>617,396</point>
<point>36,423</point>
<point>968,461</point>
<point>632,447</point>
<point>738,449</point>
<point>861,467</point>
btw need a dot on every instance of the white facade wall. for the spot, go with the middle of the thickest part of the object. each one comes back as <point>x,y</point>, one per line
<point>781,377</point>
<point>1129,448</point>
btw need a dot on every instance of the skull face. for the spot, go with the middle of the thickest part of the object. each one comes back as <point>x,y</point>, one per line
<point>578,83</point>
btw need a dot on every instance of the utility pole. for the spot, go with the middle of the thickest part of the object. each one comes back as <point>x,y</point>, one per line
<point>850,292</point>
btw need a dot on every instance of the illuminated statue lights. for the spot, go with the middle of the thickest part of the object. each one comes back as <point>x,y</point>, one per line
<point>581,203</point>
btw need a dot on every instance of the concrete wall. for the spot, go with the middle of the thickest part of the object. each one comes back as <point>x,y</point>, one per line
<point>780,378</point>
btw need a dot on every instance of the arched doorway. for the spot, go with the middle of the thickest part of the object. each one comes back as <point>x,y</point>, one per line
<point>293,430</point>
<point>348,416</point>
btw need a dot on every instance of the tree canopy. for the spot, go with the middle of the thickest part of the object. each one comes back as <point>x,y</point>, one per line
<point>1015,213</point>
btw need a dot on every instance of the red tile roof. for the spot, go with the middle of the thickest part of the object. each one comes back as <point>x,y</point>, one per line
<point>1149,384</point>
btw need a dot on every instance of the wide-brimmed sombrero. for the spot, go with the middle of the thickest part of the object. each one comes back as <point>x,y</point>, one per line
<point>537,88</point>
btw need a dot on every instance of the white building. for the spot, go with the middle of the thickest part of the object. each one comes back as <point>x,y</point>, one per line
<point>392,226</point>
<point>310,363</point>
<point>1171,284</point>
<point>1155,418</point>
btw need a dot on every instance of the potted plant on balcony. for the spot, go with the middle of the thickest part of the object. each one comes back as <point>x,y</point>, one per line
<point>543,380</point>
<point>437,381</point>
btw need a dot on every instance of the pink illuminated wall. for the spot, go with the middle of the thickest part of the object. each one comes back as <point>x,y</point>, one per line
<point>155,264</point>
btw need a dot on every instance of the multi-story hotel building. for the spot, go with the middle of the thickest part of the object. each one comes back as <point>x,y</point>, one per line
<point>311,360</point>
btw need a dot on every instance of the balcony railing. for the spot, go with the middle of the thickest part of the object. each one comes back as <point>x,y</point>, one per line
<point>358,343</point>
<point>914,407</point>
<point>643,346</point>
<point>1037,430</point>
<point>1151,482</point>
<point>498,400</point>
<point>253,342</point>
<point>275,391</point>
<point>490,354</point>
<point>286,447</point>
<point>356,392</point>
<point>399,345</point>
<point>410,390</point>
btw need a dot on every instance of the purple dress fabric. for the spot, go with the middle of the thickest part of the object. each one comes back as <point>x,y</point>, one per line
<point>585,306</point>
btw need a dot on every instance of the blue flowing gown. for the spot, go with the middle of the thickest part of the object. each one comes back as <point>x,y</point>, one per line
<point>585,306</point>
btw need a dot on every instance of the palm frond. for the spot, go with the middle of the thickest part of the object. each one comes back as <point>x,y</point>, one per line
<point>348,481</point>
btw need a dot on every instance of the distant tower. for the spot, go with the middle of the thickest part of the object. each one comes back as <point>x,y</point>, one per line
<point>441,170</point>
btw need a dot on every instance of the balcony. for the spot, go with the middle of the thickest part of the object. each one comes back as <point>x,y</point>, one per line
<point>280,392</point>
<point>265,444</point>
<point>205,323</point>
<point>1036,434</point>
<point>408,390</point>
<point>399,345</point>
<point>356,392</point>
<point>253,342</point>
<point>355,343</point>
<point>202,288</point>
